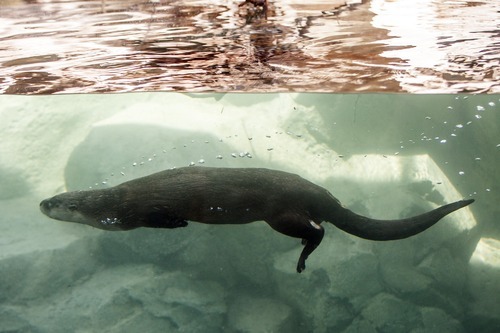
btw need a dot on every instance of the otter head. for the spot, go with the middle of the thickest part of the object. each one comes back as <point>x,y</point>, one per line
<point>98,208</point>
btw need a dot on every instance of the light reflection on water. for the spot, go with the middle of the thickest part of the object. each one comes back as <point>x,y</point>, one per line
<point>192,45</point>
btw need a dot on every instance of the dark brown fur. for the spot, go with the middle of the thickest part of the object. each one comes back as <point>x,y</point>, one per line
<point>288,203</point>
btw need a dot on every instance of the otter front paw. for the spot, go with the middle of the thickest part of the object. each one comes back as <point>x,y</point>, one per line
<point>176,224</point>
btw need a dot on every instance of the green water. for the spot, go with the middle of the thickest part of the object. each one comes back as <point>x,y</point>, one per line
<point>382,155</point>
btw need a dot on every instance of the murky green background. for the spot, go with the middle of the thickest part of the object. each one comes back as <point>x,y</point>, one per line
<point>382,155</point>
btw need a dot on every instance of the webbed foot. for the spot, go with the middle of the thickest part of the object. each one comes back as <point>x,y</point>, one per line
<point>301,265</point>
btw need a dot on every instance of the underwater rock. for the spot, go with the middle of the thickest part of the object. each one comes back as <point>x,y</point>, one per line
<point>112,300</point>
<point>190,304</point>
<point>147,137</point>
<point>437,281</point>
<point>249,314</point>
<point>389,314</point>
<point>13,183</point>
<point>233,252</point>
<point>395,315</point>
<point>37,257</point>
<point>339,278</point>
<point>13,321</point>
<point>140,322</point>
<point>113,154</point>
<point>406,280</point>
<point>349,266</point>
<point>329,313</point>
<point>483,282</point>
<point>354,278</point>
<point>360,325</point>
<point>448,270</point>
<point>147,245</point>
<point>435,320</point>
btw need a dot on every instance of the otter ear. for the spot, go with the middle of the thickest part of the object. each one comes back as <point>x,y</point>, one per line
<point>158,219</point>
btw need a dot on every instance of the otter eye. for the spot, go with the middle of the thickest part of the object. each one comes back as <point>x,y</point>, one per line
<point>72,207</point>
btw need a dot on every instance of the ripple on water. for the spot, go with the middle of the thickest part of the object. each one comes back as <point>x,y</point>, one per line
<point>318,45</point>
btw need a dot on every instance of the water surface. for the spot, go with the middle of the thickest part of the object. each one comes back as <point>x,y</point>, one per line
<point>192,45</point>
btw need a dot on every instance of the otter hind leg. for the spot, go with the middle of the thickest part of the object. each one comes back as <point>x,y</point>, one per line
<point>302,227</point>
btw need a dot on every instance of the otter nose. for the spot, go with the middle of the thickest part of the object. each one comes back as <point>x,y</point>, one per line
<point>45,206</point>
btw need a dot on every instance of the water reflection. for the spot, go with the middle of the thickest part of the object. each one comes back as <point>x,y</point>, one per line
<point>192,45</point>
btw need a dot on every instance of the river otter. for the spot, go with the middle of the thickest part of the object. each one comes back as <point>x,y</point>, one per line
<point>287,202</point>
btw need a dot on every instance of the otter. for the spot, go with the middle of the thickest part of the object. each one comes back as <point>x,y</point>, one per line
<point>290,204</point>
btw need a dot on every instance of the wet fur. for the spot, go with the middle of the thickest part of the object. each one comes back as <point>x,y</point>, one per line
<point>290,204</point>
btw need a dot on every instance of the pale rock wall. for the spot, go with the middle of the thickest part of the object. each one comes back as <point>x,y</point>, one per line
<point>60,277</point>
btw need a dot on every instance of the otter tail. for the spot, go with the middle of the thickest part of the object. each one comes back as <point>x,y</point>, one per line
<point>382,230</point>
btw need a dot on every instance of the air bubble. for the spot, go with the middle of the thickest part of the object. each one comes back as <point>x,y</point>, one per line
<point>461,173</point>
<point>219,157</point>
<point>110,221</point>
<point>192,163</point>
<point>201,161</point>
<point>480,108</point>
